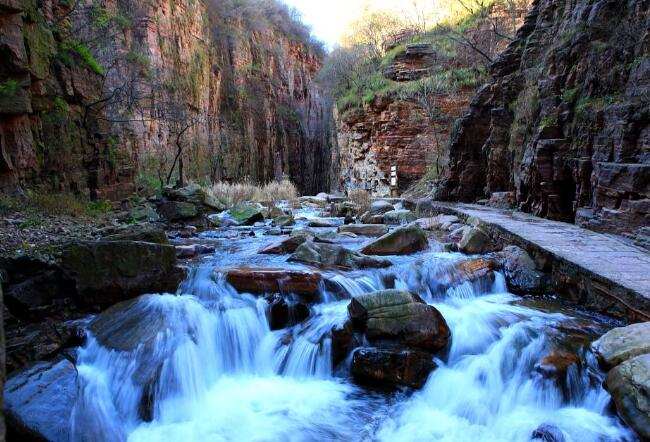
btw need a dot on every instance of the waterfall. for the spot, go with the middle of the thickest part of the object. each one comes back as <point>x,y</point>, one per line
<point>208,367</point>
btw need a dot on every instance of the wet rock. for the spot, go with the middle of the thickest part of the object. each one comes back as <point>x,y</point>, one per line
<point>401,241</point>
<point>35,289</point>
<point>263,281</point>
<point>323,222</point>
<point>139,232</point>
<point>521,272</point>
<point>246,214</point>
<point>629,385</point>
<point>548,433</point>
<point>380,207</point>
<point>287,245</point>
<point>397,217</point>
<point>192,250</point>
<point>315,200</point>
<point>39,402</point>
<point>283,221</point>
<point>345,209</point>
<point>620,344</point>
<point>283,313</point>
<point>394,368</point>
<point>369,218</point>
<point>144,212</point>
<point>475,241</point>
<point>27,343</point>
<point>472,270</point>
<point>107,272</point>
<point>364,229</point>
<point>343,342</point>
<point>401,317</point>
<point>556,364</point>
<point>174,211</point>
<point>334,255</point>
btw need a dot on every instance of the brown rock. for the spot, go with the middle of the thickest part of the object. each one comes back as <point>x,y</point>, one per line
<point>392,368</point>
<point>401,241</point>
<point>261,281</point>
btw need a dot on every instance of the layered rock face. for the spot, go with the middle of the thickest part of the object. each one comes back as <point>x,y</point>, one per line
<point>246,88</point>
<point>392,132</point>
<point>564,120</point>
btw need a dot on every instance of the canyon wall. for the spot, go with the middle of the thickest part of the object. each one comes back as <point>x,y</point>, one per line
<point>94,99</point>
<point>563,122</point>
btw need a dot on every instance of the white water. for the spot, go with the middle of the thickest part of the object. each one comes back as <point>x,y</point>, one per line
<point>221,374</point>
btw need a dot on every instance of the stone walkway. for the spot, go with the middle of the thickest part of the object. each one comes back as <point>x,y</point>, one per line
<point>606,264</point>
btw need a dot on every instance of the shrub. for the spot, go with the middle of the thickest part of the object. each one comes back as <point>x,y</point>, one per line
<point>235,193</point>
<point>361,198</point>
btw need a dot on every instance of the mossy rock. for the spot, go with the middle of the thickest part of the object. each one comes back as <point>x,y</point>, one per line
<point>178,210</point>
<point>247,214</point>
<point>107,272</point>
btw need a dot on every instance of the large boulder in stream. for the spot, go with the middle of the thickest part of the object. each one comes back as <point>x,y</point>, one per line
<point>107,272</point>
<point>246,214</point>
<point>263,281</point>
<point>629,385</point>
<point>620,344</point>
<point>400,317</point>
<point>334,255</point>
<point>397,217</point>
<point>39,402</point>
<point>475,241</point>
<point>401,241</point>
<point>380,207</point>
<point>521,272</point>
<point>174,211</point>
<point>386,367</point>
<point>372,230</point>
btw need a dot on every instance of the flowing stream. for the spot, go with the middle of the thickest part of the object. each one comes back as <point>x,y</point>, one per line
<point>220,374</point>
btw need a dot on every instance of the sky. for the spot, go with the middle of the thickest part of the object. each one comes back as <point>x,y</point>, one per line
<point>330,18</point>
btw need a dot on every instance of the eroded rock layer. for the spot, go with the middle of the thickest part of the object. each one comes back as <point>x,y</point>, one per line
<point>564,120</point>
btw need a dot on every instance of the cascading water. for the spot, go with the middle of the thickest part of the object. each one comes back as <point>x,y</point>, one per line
<point>203,365</point>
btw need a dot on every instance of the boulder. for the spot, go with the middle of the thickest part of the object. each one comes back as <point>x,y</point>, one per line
<point>521,272</point>
<point>380,207</point>
<point>334,255</point>
<point>139,232</point>
<point>323,222</point>
<point>283,313</point>
<point>395,368</point>
<point>364,229</point>
<point>620,344</point>
<point>192,250</point>
<point>400,317</point>
<point>315,200</point>
<point>440,222</point>
<point>174,211</point>
<point>343,342</point>
<point>629,385</point>
<point>246,214</point>
<point>46,339</point>
<point>475,241</point>
<point>345,209</point>
<point>369,218</point>
<point>144,212</point>
<point>107,272</point>
<point>472,270</point>
<point>262,281</point>
<point>288,245</point>
<point>503,200</point>
<point>401,241</point>
<point>39,402</point>
<point>398,217</point>
<point>283,221</point>
<point>547,433</point>
<point>556,364</point>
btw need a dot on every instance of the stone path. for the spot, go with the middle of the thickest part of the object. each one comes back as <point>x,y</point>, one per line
<point>602,259</point>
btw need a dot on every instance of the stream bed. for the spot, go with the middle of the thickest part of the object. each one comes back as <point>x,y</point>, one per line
<point>204,365</point>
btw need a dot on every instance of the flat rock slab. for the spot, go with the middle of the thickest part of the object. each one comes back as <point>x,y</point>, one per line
<point>263,281</point>
<point>601,271</point>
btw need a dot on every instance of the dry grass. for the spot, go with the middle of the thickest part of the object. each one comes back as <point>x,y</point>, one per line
<point>232,194</point>
<point>361,198</point>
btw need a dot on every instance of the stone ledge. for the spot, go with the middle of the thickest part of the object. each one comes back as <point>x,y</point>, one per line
<point>597,271</point>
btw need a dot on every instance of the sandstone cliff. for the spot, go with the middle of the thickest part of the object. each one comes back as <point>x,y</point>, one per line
<point>563,122</point>
<point>86,93</point>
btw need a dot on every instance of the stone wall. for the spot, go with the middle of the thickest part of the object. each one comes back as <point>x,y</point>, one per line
<point>563,122</point>
<point>258,114</point>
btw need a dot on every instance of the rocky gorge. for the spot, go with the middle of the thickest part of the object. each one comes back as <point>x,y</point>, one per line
<point>186,281</point>
<point>358,320</point>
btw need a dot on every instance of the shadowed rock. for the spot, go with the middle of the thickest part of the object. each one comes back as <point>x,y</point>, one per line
<point>409,368</point>
<point>400,317</point>
<point>334,255</point>
<point>629,385</point>
<point>620,344</point>
<point>364,229</point>
<point>401,241</point>
<point>263,281</point>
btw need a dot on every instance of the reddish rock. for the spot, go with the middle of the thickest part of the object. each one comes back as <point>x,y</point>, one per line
<point>392,368</point>
<point>262,281</point>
